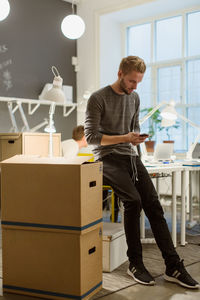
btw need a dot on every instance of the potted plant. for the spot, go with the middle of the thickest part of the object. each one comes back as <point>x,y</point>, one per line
<point>154,124</point>
<point>168,129</point>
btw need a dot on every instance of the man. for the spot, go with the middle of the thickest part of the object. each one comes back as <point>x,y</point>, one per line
<point>71,147</point>
<point>112,125</point>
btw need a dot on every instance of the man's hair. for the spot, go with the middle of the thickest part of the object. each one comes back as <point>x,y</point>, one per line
<point>132,63</point>
<point>78,133</point>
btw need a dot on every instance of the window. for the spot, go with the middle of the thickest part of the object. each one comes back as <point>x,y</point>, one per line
<point>137,43</point>
<point>169,83</point>
<point>168,38</point>
<point>193,25</point>
<point>171,49</point>
<point>144,89</point>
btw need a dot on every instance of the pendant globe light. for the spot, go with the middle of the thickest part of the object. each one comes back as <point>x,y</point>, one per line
<point>72,25</point>
<point>4,9</point>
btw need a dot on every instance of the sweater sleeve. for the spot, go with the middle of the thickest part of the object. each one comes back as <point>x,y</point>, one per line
<point>136,123</point>
<point>92,121</point>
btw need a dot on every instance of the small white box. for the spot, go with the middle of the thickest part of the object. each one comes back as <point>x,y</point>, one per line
<point>114,246</point>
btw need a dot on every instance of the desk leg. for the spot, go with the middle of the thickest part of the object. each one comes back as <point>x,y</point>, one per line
<point>142,225</point>
<point>190,198</point>
<point>199,184</point>
<point>174,208</point>
<point>191,222</point>
<point>183,212</point>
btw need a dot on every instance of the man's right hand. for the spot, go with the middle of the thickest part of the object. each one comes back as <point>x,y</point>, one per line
<point>131,137</point>
<point>135,138</point>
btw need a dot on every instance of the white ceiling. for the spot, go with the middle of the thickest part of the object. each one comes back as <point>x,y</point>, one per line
<point>151,9</point>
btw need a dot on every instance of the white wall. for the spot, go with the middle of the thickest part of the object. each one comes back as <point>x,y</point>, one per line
<point>110,50</point>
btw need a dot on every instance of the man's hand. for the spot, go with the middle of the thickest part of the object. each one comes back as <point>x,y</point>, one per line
<point>135,138</point>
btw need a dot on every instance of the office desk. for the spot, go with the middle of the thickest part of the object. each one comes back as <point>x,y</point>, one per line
<point>173,169</point>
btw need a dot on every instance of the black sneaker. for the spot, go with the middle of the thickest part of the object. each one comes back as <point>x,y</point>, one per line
<point>178,274</point>
<point>141,275</point>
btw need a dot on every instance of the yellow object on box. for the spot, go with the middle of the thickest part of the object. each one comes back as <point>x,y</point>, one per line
<point>87,154</point>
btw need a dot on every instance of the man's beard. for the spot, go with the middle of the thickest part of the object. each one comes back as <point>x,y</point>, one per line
<point>124,88</point>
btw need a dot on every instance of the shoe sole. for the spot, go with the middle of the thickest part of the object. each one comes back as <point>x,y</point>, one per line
<point>175,280</point>
<point>139,281</point>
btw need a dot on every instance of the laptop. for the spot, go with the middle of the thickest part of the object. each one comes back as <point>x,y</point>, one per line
<point>163,151</point>
<point>196,151</point>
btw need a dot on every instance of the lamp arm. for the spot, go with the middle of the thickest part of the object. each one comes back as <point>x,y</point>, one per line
<point>51,113</point>
<point>188,121</point>
<point>147,116</point>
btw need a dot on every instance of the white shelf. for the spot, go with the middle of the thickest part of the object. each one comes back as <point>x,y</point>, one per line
<point>15,104</point>
<point>34,104</point>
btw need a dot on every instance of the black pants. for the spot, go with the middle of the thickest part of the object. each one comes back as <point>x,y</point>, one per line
<point>119,171</point>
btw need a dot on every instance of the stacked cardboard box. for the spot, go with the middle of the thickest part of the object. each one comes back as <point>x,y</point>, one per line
<point>52,227</point>
<point>28,143</point>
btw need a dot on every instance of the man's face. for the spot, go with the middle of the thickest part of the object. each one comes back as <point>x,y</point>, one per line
<point>128,83</point>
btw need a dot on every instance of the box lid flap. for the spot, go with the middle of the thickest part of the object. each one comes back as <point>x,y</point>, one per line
<point>9,136</point>
<point>36,159</point>
<point>112,231</point>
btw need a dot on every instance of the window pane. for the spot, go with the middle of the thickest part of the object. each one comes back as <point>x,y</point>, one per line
<point>193,21</point>
<point>169,84</point>
<point>169,38</point>
<point>193,82</point>
<point>144,89</point>
<point>139,41</point>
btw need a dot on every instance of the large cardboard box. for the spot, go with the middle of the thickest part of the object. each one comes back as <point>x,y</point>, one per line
<point>51,193</point>
<point>51,264</point>
<point>28,143</point>
<point>114,246</point>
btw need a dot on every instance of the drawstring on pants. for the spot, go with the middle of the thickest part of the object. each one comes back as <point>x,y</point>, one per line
<point>134,169</point>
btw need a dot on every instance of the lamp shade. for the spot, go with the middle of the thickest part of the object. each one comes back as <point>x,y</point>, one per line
<point>169,113</point>
<point>73,27</point>
<point>4,9</point>
<point>56,93</point>
<point>167,122</point>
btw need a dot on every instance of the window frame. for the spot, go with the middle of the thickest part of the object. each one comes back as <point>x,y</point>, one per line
<point>154,65</point>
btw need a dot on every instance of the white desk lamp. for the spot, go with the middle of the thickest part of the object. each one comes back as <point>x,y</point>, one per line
<point>50,128</point>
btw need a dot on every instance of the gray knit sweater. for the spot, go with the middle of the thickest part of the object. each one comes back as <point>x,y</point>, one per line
<point>111,114</point>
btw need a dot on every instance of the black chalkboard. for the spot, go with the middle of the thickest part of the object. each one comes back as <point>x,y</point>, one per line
<point>31,42</point>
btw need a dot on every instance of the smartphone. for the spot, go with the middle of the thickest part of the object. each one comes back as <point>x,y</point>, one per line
<point>144,135</point>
